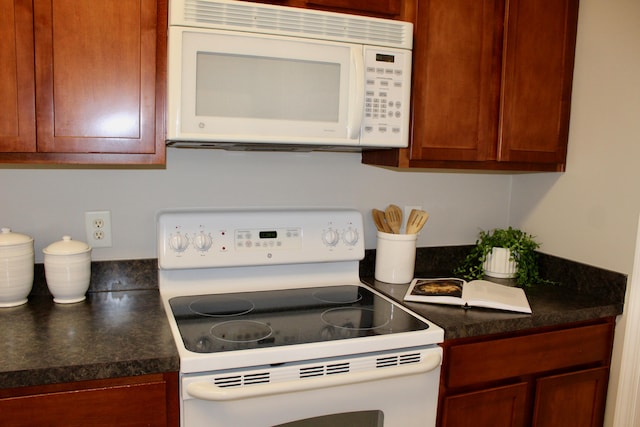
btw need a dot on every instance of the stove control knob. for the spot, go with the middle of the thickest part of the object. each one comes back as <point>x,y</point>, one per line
<point>178,242</point>
<point>351,236</point>
<point>203,241</point>
<point>330,237</point>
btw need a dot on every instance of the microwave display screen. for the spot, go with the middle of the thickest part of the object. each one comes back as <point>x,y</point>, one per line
<point>381,57</point>
<point>270,88</point>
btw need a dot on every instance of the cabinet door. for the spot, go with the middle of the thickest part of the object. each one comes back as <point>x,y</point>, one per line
<point>495,407</point>
<point>491,86</point>
<point>147,400</point>
<point>575,399</point>
<point>96,76</point>
<point>17,88</point>
<point>457,54</point>
<point>538,73</point>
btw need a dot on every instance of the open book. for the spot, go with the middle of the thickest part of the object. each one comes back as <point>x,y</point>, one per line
<point>477,293</point>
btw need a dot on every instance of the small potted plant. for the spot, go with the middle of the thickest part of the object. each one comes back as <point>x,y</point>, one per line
<point>503,253</point>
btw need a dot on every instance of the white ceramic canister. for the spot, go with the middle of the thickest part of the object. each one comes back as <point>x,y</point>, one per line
<point>16,267</point>
<point>67,268</point>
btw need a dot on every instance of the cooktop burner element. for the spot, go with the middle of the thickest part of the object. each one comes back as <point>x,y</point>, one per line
<point>242,331</point>
<point>220,306</point>
<point>331,296</point>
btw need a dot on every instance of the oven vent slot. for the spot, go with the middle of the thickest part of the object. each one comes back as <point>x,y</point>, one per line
<point>396,360</point>
<point>240,380</point>
<point>322,370</point>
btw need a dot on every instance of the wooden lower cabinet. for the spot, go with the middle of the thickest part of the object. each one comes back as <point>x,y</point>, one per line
<point>146,400</point>
<point>496,407</point>
<point>573,399</point>
<point>540,378</point>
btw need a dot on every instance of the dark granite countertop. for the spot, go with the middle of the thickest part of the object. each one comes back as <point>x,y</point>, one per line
<point>110,334</point>
<point>580,293</point>
<point>551,305</point>
<point>121,328</point>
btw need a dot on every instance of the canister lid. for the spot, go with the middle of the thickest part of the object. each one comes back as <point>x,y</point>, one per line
<point>66,246</point>
<point>7,238</point>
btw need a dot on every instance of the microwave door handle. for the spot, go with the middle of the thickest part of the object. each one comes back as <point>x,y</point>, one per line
<point>356,95</point>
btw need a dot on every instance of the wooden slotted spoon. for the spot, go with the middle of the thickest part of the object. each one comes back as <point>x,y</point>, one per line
<point>393,215</point>
<point>415,222</point>
<point>380,221</point>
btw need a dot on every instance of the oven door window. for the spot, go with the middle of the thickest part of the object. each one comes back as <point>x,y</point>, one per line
<point>349,419</point>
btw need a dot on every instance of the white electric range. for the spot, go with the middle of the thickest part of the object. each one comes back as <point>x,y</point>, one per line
<point>274,327</point>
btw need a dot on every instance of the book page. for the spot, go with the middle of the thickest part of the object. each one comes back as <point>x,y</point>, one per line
<point>482,293</point>
<point>442,291</point>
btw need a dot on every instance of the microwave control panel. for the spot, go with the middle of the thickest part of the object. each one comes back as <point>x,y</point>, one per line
<point>387,97</point>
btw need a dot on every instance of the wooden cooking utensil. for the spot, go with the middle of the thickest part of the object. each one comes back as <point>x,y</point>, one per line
<point>380,222</point>
<point>415,222</point>
<point>393,215</point>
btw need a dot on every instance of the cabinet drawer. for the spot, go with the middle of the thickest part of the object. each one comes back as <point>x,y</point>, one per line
<point>504,358</point>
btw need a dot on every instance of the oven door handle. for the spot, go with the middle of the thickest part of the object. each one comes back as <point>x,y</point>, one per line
<point>208,391</point>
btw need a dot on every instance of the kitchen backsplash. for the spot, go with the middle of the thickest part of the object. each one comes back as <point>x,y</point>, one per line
<point>110,276</point>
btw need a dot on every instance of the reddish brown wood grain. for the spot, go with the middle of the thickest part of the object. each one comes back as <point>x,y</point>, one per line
<point>100,77</point>
<point>491,86</point>
<point>147,400</point>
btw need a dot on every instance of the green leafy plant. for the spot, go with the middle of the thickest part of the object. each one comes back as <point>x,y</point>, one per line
<point>523,252</point>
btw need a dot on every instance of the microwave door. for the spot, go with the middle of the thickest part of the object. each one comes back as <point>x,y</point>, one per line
<point>240,87</point>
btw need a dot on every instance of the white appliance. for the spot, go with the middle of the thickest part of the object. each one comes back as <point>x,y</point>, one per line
<point>273,326</point>
<point>245,75</point>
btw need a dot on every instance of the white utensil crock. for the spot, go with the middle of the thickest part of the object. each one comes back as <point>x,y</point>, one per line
<point>67,268</point>
<point>395,257</point>
<point>16,268</point>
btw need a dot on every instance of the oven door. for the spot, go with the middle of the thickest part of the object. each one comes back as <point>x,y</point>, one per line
<point>396,388</point>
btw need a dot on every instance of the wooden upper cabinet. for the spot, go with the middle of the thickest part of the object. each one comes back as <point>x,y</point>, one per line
<point>17,86</point>
<point>456,85</point>
<point>100,80</point>
<point>537,78</point>
<point>491,85</point>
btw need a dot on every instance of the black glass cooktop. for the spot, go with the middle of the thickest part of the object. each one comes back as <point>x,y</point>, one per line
<point>238,321</point>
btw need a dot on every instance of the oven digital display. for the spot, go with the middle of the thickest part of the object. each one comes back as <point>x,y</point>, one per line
<point>381,57</point>
<point>268,234</point>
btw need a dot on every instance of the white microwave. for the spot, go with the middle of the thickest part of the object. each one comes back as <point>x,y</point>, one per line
<point>254,76</point>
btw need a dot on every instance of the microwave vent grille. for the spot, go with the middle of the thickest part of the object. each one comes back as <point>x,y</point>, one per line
<point>282,20</point>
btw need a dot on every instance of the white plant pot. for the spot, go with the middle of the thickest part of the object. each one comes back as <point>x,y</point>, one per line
<point>498,264</point>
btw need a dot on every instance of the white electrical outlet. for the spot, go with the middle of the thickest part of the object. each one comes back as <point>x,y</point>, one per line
<point>98,227</point>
